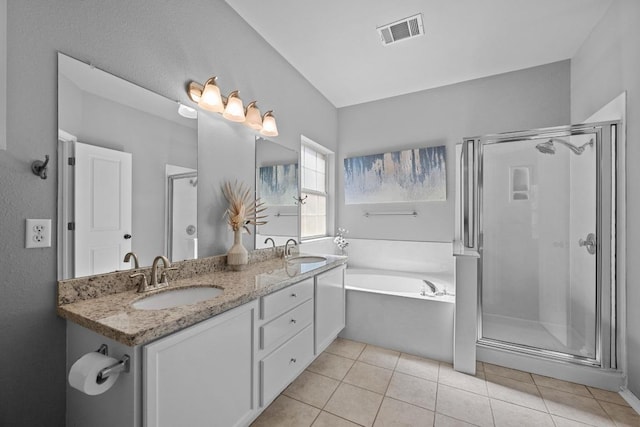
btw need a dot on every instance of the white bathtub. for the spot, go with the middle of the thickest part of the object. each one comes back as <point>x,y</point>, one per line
<point>386,308</point>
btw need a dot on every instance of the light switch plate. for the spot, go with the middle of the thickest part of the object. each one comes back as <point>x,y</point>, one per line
<point>38,233</point>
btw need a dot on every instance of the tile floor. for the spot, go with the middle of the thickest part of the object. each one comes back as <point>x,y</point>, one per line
<point>354,384</point>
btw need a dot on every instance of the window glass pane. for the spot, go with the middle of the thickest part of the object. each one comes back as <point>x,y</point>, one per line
<point>308,179</point>
<point>309,159</point>
<point>320,182</point>
<point>320,163</point>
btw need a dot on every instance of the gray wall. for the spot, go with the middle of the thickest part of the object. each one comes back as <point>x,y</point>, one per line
<point>607,64</point>
<point>526,99</point>
<point>158,45</point>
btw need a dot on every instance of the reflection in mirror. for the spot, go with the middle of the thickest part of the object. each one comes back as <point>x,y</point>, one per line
<point>277,188</point>
<point>133,184</point>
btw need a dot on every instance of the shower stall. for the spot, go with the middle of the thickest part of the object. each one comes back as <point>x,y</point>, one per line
<point>538,208</point>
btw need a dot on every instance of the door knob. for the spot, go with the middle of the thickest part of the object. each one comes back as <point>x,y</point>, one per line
<point>590,243</point>
<point>127,236</point>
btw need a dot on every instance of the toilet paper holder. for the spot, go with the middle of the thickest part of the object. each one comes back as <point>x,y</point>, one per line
<point>121,366</point>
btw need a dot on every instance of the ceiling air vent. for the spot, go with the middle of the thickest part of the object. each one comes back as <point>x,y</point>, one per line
<point>401,30</point>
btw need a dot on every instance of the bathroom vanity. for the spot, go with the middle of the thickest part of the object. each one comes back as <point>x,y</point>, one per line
<point>217,362</point>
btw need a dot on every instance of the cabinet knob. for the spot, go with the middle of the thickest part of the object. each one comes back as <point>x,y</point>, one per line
<point>293,360</point>
<point>293,295</point>
<point>293,320</point>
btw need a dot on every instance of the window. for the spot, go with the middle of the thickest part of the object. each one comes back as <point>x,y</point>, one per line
<point>313,192</point>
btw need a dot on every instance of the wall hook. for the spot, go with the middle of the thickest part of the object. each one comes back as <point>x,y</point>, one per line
<point>38,167</point>
<point>300,200</point>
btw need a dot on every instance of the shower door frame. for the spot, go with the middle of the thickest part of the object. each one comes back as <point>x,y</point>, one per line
<point>607,136</point>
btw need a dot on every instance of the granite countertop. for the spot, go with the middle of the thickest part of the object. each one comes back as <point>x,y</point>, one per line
<point>113,316</point>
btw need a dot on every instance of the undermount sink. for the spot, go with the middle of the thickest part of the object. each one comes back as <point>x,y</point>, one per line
<point>306,259</point>
<point>177,297</point>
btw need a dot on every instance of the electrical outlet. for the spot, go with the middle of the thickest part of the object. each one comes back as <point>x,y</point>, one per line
<point>38,233</point>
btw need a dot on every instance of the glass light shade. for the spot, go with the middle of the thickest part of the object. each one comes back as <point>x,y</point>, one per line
<point>211,99</point>
<point>269,127</point>
<point>195,91</point>
<point>254,119</point>
<point>234,110</point>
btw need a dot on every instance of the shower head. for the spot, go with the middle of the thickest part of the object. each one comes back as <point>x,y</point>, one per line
<point>549,148</point>
<point>546,147</point>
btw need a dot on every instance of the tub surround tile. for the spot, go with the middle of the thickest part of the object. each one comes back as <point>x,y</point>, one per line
<point>394,413</point>
<point>413,390</point>
<point>513,391</point>
<point>508,415</point>
<point>418,367</point>
<point>379,356</point>
<point>311,388</point>
<point>332,366</point>
<point>346,348</point>
<point>369,377</point>
<point>109,311</point>
<point>575,407</point>
<point>465,406</point>
<point>287,412</point>
<point>354,404</point>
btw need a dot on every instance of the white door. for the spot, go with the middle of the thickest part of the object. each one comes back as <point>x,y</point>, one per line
<point>102,209</point>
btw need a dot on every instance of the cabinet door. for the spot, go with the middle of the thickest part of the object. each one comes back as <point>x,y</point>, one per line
<point>203,375</point>
<point>330,307</point>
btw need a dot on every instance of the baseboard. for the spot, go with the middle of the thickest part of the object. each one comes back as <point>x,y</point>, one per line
<point>631,399</point>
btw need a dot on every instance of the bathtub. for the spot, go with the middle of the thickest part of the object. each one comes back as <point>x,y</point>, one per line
<point>386,308</point>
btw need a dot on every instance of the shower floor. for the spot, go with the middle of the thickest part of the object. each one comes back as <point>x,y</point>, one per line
<point>533,334</point>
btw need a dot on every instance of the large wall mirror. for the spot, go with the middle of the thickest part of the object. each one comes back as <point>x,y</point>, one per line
<point>277,187</point>
<point>133,184</point>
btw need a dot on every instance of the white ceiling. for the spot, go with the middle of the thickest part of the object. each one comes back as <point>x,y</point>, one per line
<point>334,43</point>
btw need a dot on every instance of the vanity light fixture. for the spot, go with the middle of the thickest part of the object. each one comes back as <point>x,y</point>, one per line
<point>253,116</point>
<point>208,97</point>
<point>269,127</point>
<point>234,110</point>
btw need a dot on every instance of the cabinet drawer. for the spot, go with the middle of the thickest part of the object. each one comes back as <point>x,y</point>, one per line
<point>284,364</point>
<point>278,302</point>
<point>287,325</point>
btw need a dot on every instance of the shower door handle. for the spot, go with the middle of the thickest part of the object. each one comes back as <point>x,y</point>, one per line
<point>590,243</point>
<point>469,199</point>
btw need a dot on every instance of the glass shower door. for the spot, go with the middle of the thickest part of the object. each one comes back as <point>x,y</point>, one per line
<point>538,220</point>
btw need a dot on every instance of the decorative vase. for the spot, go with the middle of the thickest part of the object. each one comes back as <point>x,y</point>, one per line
<point>238,256</point>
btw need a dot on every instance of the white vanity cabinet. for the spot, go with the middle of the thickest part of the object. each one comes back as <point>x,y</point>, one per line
<point>203,375</point>
<point>286,337</point>
<point>329,301</point>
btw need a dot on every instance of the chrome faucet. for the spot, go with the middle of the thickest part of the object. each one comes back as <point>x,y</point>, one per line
<point>287,250</point>
<point>272,242</point>
<point>154,272</point>
<point>144,286</point>
<point>127,258</point>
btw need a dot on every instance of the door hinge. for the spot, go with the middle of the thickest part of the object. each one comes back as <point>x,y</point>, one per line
<point>72,161</point>
<point>71,226</point>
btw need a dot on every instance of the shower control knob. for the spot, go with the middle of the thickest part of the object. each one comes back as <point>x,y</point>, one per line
<point>590,243</point>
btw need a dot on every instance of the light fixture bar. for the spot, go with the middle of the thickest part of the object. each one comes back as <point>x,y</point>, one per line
<point>208,97</point>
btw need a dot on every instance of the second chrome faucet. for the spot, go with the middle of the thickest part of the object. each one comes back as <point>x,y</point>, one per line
<point>156,283</point>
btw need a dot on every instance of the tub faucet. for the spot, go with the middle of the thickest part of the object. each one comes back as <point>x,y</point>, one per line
<point>287,250</point>
<point>127,258</point>
<point>433,287</point>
